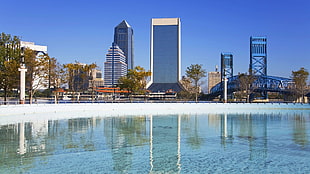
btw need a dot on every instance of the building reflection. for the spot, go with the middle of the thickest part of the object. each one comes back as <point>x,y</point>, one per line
<point>21,140</point>
<point>239,128</point>
<point>190,127</point>
<point>253,129</point>
<point>159,137</point>
<point>123,134</point>
<point>165,144</point>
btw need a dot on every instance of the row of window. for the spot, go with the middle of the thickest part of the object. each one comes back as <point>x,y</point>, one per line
<point>258,48</point>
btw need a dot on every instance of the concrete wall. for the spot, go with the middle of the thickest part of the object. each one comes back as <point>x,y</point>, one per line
<point>18,113</point>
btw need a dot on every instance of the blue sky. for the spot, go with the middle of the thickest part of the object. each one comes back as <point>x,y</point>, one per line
<point>82,30</point>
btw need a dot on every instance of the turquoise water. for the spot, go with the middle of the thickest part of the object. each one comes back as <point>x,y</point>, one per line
<point>205,143</point>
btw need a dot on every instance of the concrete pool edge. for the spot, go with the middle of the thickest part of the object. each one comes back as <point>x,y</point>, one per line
<point>64,111</point>
<point>134,107</point>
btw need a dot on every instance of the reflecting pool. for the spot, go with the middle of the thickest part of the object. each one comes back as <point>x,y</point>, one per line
<point>204,143</point>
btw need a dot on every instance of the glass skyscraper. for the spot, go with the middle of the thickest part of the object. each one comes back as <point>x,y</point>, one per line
<point>123,37</point>
<point>165,54</point>
<point>115,66</point>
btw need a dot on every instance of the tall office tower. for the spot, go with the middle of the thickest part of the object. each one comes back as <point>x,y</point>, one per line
<point>213,79</point>
<point>165,54</point>
<point>115,66</point>
<point>258,56</point>
<point>226,65</point>
<point>123,37</point>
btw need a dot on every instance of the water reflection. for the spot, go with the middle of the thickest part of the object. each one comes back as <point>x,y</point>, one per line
<point>165,148</point>
<point>190,126</point>
<point>122,134</point>
<point>300,135</point>
<point>151,144</point>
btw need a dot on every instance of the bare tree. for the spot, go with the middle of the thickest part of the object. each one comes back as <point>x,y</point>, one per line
<point>300,79</point>
<point>245,84</point>
<point>37,76</point>
<point>195,73</point>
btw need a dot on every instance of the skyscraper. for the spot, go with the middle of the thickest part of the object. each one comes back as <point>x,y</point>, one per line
<point>165,54</point>
<point>258,56</point>
<point>123,37</point>
<point>115,66</point>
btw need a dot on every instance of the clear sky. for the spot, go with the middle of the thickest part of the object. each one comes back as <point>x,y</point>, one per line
<point>82,30</point>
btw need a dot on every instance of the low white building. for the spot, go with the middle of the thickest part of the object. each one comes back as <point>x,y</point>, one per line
<point>31,45</point>
<point>39,49</point>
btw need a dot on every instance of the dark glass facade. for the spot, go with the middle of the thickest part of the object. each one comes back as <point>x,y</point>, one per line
<point>123,37</point>
<point>165,55</point>
<point>166,50</point>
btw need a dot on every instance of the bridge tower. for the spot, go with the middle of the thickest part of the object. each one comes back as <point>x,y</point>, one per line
<point>258,58</point>
<point>226,71</point>
<point>226,65</point>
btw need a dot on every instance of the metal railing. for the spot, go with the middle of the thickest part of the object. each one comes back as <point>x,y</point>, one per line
<point>51,101</point>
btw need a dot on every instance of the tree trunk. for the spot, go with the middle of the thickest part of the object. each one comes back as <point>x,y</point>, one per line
<point>30,97</point>
<point>5,96</point>
<point>196,97</point>
<point>56,97</point>
<point>196,91</point>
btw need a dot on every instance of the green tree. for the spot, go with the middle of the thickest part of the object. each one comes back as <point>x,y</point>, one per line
<point>195,73</point>
<point>10,54</point>
<point>71,68</point>
<point>135,80</point>
<point>78,75</point>
<point>300,79</point>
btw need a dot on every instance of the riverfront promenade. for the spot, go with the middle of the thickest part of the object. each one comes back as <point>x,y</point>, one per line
<point>17,113</point>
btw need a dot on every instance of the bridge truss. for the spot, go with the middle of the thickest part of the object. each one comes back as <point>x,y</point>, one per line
<point>262,84</point>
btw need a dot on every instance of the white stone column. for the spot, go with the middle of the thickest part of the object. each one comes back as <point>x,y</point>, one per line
<point>23,71</point>
<point>22,145</point>
<point>225,89</point>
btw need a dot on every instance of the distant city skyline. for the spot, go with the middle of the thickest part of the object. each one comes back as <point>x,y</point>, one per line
<point>82,31</point>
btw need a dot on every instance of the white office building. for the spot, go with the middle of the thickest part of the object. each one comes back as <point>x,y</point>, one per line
<point>115,66</point>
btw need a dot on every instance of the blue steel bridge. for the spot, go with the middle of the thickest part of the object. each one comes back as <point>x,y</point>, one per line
<point>262,84</point>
